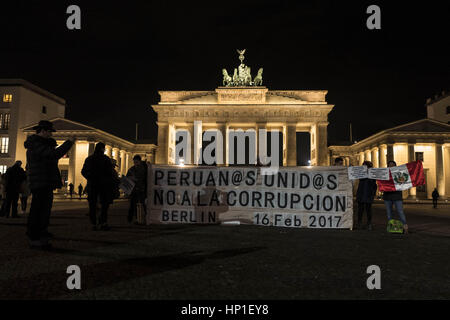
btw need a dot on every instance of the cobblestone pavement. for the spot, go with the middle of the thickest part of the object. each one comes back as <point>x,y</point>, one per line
<point>226,262</point>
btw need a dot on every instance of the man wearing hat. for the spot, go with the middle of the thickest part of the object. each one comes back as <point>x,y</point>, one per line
<point>44,177</point>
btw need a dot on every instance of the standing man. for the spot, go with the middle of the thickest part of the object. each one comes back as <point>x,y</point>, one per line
<point>137,173</point>
<point>98,170</point>
<point>435,196</point>
<point>80,190</point>
<point>44,177</point>
<point>15,176</point>
<point>71,188</point>
<point>367,188</point>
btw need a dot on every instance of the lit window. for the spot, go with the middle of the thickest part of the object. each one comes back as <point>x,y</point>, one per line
<point>4,145</point>
<point>3,169</point>
<point>7,97</point>
<point>5,122</point>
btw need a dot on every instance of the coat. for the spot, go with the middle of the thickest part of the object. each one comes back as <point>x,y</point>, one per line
<point>367,189</point>
<point>101,176</point>
<point>435,194</point>
<point>392,195</point>
<point>42,161</point>
<point>139,175</point>
<point>15,176</point>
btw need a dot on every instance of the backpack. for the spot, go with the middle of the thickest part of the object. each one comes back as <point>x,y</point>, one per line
<point>394,226</point>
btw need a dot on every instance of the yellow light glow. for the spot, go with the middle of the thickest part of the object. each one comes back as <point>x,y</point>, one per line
<point>7,97</point>
<point>422,148</point>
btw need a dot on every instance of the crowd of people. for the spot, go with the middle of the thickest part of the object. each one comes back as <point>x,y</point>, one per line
<point>42,177</point>
<point>365,195</point>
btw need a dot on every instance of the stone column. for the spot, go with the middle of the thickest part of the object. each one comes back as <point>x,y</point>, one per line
<point>108,150</point>
<point>411,154</point>
<point>72,160</point>
<point>367,155</point>
<point>152,156</point>
<point>162,154</point>
<point>447,170</point>
<point>91,148</point>
<point>261,142</point>
<point>411,157</point>
<point>321,143</point>
<point>79,152</point>
<point>381,156</point>
<point>197,141</point>
<point>291,144</point>
<point>115,156</point>
<point>361,158</point>
<point>440,178</point>
<point>375,152</point>
<point>390,153</point>
<point>122,162</point>
<point>222,128</point>
<point>190,153</point>
<point>128,161</point>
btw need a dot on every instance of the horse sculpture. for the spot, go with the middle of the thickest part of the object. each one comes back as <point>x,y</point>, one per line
<point>226,78</point>
<point>258,79</point>
<point>235,76</point>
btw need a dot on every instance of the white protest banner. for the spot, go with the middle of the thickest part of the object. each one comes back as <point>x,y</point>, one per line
<point>379,173</point>
<point>357,172</point>
<point>127,185</point>
<point>297,197</point>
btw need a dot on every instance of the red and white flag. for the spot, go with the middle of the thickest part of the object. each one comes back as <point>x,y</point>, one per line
<point>403,177</point>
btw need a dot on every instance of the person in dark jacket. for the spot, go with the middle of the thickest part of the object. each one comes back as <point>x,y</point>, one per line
<point>71,188</point>
<point>80,190</point>
<point>365,194</point>
<point>395,198</point>
<point>137,173</point>
<point>435,196</point>
<point>14,178</point>
<point>98,170</point>
<point>44,177</point>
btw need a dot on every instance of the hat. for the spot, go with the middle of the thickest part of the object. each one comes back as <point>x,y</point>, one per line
<point>45,125</point>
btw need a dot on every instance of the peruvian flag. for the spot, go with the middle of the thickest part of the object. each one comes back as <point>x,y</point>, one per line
<point>403,177</point>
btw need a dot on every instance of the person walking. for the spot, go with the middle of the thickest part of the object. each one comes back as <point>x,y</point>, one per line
<point>71,188</point>
<point>137,173</point>
<point>98,171</point>
<point>367,188</point>
<point>435,196</point>
<point>80,190</point>
<point>14,177</point>
<point>44,177</point>
<point>395,198</point>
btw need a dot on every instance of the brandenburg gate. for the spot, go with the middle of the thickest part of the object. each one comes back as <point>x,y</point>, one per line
<point>243,103</point>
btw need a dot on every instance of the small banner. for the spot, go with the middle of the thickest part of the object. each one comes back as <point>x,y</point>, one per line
<point>357,172</point>
<point>379,173</point>
<point>296,197</point>
<point>126,185</point>
<point>403,177</point>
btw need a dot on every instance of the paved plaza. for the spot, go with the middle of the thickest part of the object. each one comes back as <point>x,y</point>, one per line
<point>226,262</point>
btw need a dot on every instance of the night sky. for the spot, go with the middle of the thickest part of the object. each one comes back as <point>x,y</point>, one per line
<point>109,72</point>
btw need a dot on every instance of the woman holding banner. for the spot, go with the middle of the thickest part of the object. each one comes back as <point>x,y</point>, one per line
<point>395,198</point>
<point>367,188</point>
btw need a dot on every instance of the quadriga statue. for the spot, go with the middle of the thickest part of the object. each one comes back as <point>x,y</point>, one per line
<point>226,78</point>
<point>258,79</point>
